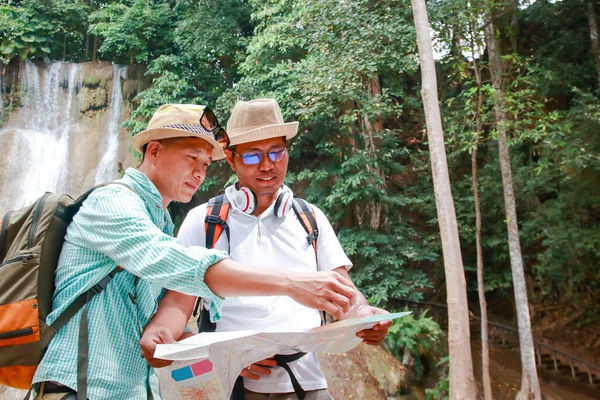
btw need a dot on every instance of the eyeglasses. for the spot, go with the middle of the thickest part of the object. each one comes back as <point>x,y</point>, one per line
<point>210,123</point>
<point>255,157</point>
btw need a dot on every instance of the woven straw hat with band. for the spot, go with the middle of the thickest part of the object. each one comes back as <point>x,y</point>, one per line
<point>177,120</point>
<point>259,119</point>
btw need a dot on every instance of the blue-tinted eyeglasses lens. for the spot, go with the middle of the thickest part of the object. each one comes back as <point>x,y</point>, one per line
<point>252,158</point>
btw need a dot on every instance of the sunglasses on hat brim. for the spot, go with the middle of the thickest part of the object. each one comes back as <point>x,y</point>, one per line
<point>209,122</point>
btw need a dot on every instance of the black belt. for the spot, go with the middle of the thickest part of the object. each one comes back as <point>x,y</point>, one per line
<point>282,361</point>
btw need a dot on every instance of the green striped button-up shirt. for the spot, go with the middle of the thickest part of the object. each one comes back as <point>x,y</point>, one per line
<point>117,226</point>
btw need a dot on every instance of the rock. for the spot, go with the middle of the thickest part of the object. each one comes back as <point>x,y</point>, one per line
<point>365,372</point>
<point>130,89</point>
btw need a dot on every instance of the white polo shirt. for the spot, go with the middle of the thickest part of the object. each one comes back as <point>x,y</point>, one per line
<point>274,242</point>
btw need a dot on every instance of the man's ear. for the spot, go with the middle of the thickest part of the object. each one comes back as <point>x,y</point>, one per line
<point>229,157</point>
<point>154,147</point>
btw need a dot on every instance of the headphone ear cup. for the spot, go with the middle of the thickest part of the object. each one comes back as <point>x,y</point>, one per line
<point>245,200</point>
<point>283,204</point>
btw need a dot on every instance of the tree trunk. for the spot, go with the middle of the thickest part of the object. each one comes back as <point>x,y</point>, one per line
<point>485,353</point>
<point>87,46</point>
<point>594,35</point>
<point>462,382</point>
<point>375,209</point>
<point>368,131</point>
<point>95,49</point>
<point>530,387</point>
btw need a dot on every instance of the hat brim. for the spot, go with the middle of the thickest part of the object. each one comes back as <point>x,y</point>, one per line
<point>288,129</point>
<point>144,137</point>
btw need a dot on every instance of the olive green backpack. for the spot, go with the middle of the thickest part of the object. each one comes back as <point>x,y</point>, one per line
<point>31,240</point>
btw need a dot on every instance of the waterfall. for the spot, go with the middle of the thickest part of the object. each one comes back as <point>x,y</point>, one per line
<point>71,117</point>
<point>107,169</point>
<point>61,136</point>
<point>34,143</point>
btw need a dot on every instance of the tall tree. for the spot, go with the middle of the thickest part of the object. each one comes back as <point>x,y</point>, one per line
<point>594,34</point>
<point>462,382</point>
<point>485,354</point>
<point>530,387</point>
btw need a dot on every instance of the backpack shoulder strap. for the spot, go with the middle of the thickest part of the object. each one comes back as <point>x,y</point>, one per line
<point>85,297</point>
<point>77,204</point>
<point>308,221</point>
<point>4,234</point>
<point>216,221</point>
<point>80,301</point>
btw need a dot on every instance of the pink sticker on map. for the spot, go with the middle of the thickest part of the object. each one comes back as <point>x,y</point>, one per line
<point>202,367</point>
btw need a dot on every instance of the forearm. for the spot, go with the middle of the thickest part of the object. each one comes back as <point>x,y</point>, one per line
<point>326,291</point>
<point>230,278</point>
<point>174,311</point>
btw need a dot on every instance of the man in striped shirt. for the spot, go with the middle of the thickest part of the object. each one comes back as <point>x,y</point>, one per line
<point>131,228</point>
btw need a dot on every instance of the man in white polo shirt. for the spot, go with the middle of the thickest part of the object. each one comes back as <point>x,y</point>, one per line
<point>263,230</point>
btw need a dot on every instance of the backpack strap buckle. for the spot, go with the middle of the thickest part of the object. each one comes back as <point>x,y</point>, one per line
<point>312,237</point>
<point>215,219</point>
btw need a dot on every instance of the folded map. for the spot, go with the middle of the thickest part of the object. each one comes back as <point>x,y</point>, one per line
<point>212,361</point>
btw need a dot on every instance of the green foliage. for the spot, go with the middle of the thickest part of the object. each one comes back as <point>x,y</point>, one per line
<point>441,391</point>
<point>137,29</point>
<point>199,64</point>
<point>25,30</point>
<point>421,337</point>
<point>564,225</point>
<point>557,37</point>
<point>383,263</point>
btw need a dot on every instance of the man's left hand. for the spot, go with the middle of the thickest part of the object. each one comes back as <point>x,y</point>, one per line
<point>376,334</point>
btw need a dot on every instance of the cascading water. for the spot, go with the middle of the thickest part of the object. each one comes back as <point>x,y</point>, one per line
<point>49,144</point>
<point>106,169</point>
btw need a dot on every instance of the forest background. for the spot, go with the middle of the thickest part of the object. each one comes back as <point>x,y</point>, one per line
<point>348,71</point>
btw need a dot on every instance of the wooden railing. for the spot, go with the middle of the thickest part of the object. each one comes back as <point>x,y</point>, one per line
<point>538,345</point>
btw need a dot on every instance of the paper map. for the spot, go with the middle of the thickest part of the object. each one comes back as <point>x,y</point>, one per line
<point>212,361</point>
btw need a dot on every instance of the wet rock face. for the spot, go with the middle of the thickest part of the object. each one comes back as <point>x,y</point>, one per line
<point>94,99</point>
<point>365,373</point>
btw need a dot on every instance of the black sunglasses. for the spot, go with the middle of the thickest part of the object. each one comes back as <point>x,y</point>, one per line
<point>209,121</point>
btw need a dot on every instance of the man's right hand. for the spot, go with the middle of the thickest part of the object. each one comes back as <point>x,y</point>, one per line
<point>327,291</point>
<point>154,335</point>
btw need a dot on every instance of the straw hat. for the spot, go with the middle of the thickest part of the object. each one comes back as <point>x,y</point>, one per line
<point>259,119</point>
<point>177,120</point>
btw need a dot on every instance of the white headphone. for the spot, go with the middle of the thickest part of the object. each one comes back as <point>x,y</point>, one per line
<point>245,199</point>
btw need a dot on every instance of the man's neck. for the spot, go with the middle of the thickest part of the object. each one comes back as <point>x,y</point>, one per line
<point>263,202</point>
<point>148,171</point>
